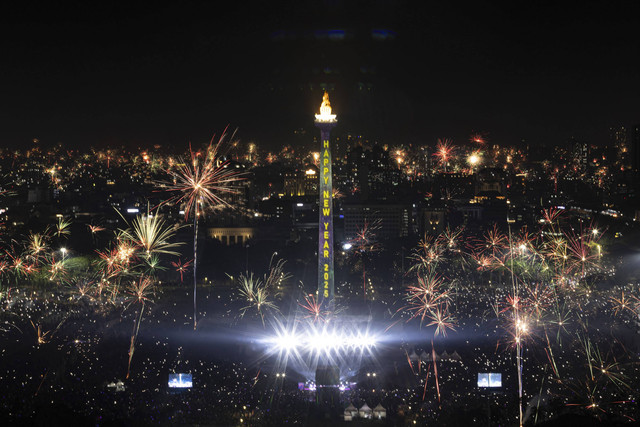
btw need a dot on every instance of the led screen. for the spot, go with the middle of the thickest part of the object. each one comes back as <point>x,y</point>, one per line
<point>490,380</point>
<point>180,380</point>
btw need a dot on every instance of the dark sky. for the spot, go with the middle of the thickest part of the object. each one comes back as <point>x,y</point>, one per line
<point>100,73</point>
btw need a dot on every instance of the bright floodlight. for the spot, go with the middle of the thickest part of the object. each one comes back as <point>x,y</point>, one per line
<point>324,341</point>
<point>286,341</point>
<point>363,341</point>
<point>347,246</point>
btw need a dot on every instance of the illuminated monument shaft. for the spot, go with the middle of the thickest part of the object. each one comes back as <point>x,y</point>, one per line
<point>325,121</point>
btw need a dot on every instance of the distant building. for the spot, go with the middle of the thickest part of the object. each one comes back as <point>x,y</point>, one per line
<point>38,194</point>
<point>393,220</point>
<point>635,149</point>
<point>490,181</point>
<point>366,168</point>
<point>301,182</point>
<point>231,235</point>
<point>619,142</point>
<point>304,213</point>
<point>431,220</point>
<point>580,154</point>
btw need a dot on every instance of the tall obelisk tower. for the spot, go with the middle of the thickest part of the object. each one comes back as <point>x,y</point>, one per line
<point>325,121</point>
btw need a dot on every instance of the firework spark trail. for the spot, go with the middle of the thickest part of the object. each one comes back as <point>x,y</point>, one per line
<point>139,291</point>
<point>410,364</point>
<point>365,243</point>
<point>549,354</point>
<point>435,369</point>
<point>134,336</point>
<point>551,216</point>
<point>257,377</point>
<point>540,396</point>
<point>549,351</point>
<point>426,380</point>
<point>44,377</point>
<point>276,276</point>
<point>43,337</point>
<point>516,317</point>
<point>195,261</point>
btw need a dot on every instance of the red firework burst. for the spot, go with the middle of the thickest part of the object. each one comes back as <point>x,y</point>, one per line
<point>444,151</point>
<point>181,268</point>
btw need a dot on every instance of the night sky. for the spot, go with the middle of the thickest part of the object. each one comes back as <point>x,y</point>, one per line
<point>96,73</point>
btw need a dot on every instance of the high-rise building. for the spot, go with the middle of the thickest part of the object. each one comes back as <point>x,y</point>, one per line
<point>366,169</point>
<point>301,182</point>
<point>393,219</point>
<point>325,121</point>
<point>580,154</point>
<point>619,143</point>
<point>635,149</point>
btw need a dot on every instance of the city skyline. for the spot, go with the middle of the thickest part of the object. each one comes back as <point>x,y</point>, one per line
<point>455,284</point>
<point>181,243</point>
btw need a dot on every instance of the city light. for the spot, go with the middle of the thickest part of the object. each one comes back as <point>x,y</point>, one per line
<point>461,248</point>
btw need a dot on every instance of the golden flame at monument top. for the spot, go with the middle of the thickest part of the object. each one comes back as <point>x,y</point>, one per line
<point>325,110</point>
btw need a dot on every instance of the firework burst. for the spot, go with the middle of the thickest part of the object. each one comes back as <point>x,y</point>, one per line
<point>181,268</point>
<point>364,244</point>
<point>444,152</point>
<point>256,295</point>
<point>200,183</point>
<point>313,310</point>
<point>152,235</point>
